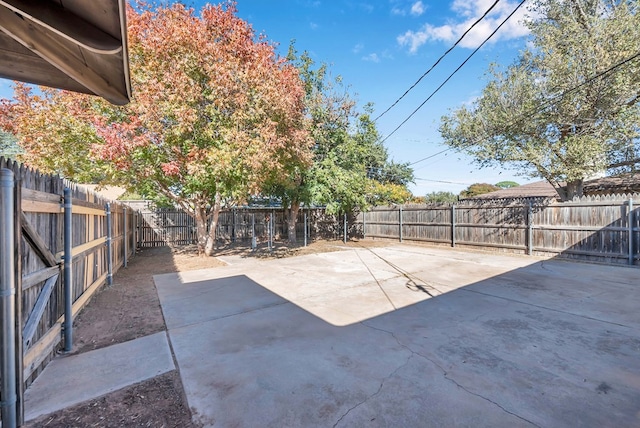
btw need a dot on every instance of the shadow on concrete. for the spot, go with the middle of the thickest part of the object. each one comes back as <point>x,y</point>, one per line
<point>320,341</point>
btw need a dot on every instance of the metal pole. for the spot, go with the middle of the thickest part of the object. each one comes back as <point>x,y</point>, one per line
<point>630,221</point>
<point>126,236</point>
<point>305,229</point>
<point>344,229</point>
<point>453,225</point>
<point>254,243</point>
<point>400,217</point>
<point>233,227</point>
<point>8,409</point>
<point>109,250</point>
<point>68,260</point>
<point>269,233</point>
<point>17,227</point>
<point>529,229</point>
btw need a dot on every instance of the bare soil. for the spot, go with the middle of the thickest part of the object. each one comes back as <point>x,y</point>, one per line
<point>129,309</point>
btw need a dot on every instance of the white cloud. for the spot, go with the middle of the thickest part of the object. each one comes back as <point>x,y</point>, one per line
<point>417,8</point>
<point>372,57</point>
<point>467,12</point>
<point>358,48</point>
<point>313,25</point>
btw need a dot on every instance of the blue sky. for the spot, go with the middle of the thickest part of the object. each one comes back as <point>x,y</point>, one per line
<point>380,48</point>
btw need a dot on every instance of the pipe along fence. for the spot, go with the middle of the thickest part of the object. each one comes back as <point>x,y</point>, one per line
<point>59,243</point>
<point>600,229</point>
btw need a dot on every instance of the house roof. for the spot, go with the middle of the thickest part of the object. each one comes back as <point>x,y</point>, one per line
<point>619,184</point>
<point>538,189</point>
<point>78,45</point>
<point>109,192</point>
<point>623,183</point>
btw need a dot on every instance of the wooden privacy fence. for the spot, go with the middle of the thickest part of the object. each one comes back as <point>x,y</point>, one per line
<point>160,227</point>
<point>603,228</point>
<point>49,285</point>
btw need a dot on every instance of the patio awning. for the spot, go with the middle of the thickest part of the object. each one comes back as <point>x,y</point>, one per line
<point>78,45</point>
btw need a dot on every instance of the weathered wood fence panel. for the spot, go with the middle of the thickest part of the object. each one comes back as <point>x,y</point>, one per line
<point>160,227</point>
<point>41,257</point>
<point>603,228</point>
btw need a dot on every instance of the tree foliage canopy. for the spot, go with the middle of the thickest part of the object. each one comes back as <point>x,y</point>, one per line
<point>478,189</point>
<point>351,168</point>
<point>215,114</point>
<point>568,108</point>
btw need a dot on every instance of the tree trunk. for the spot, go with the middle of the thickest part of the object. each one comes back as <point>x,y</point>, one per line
<point>292,217</point>
<point>201,228</point>
<point>211,237</point>
<point>574,189</point>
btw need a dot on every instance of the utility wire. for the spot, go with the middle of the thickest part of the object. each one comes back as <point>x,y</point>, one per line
<point>538,109</point>
<point>455,71</point>
<point>544,105</point>
<point>438,61</point>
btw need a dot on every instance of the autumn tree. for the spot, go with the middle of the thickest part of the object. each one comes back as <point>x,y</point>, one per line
<point>215,114</point>
<point>568,108</point>
<point>53,130</point>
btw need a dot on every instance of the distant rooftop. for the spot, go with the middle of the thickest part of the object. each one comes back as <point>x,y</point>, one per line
<point>537,190</point>
<point>619,184</point>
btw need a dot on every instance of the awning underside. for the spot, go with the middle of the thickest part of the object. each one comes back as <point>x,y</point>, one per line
<point>78,45</point>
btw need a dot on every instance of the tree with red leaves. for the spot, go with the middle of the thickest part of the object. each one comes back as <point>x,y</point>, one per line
<point>215,113</point>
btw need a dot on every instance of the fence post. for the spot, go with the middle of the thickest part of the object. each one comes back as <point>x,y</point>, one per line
<point>400,222</point>
<point>8,409</point>
<point>529,229</point>
<point>125,245</point>
<point>109,249</point>
<point>453,225</point>
<point>254,243</point>
<point>233,226</point>
<point>344,231</point>
<point>630,223</point>
<point>305,228</point>
<point>68,260</point>
<point>364,224</point>
<point>17,227</point>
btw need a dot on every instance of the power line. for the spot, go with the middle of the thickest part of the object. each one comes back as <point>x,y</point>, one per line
<point>545,104</point>
<point>442,181</point>
<point>438,61</point>
<point>455,71</point>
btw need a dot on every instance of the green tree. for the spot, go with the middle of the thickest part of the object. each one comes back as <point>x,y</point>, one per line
<point>351,168</point>
<point>9,147</point>
<point>478,189</point>
<point>548,115</point>
<point>507,184</point>
<point>441,197</point>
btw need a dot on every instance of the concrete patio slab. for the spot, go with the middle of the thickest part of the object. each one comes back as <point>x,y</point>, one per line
<point>407,336</point>
<point>70,380</point>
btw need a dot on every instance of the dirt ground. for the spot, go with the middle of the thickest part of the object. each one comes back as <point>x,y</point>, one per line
<point>129,309</point>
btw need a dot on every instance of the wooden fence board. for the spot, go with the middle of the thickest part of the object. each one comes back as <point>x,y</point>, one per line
<point>42,249</point>
<point>595,229</point>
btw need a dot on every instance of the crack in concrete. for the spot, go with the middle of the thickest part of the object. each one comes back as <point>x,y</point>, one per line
<point>375,393</point>
<point>446,375</point>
